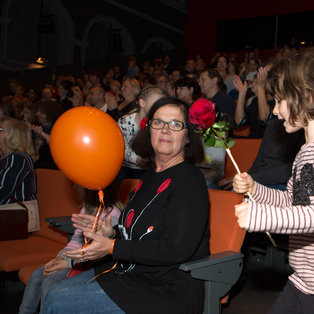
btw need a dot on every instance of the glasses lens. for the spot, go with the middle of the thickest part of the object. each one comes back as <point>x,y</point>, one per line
<point>173,125</point>
<point>157,124</point>
<point>176,125</point>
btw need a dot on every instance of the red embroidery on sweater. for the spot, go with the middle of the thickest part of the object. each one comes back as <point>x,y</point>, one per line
<point>163,186</point>
<point>138,186</point>
<point>129,218</point>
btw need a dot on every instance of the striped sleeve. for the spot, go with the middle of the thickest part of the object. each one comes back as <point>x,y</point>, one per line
<point>279,212</point>
<point>12,169</point>
<point>287,219</point>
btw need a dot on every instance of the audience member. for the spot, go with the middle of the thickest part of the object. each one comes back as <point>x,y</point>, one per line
<point>132,166</point>
<point>233,69</point>
<point>152,239</point>
<point>211,84</point>
<point>6,110</point>
<point>190,67</point>
<point>64,90</point>
<point>130,90</point>
<point>57,269</point>
<point>94,79</point>
<point>133,69</point>
<point>17,154</point>
<point>187,89</point>
<point>273,164</point>
<point>222,67</point>
<point>47,114</point>
<point>96,98</point>
<point>255,111</point>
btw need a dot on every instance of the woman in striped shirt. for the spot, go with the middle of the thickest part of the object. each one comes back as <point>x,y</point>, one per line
<point>17,174</point>
<point>289,212</point>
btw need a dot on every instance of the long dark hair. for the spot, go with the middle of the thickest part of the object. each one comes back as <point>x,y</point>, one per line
<point>91,200</point>
<point>194,149</point>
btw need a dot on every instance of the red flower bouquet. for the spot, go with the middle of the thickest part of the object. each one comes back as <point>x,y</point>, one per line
<point>203,115</point>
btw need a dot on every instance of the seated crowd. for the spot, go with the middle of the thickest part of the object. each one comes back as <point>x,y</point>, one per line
<point>163,93</point>
<point>237,87</point>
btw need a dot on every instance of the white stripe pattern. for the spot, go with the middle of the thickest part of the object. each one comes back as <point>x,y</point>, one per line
<point>274,212</point>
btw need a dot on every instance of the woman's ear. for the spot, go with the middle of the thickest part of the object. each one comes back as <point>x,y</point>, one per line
<point>142,103</point>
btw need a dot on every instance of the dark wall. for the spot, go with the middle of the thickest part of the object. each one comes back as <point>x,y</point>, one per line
<point>203,15</point>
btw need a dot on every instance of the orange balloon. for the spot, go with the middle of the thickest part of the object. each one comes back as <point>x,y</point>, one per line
<point>88,146</point>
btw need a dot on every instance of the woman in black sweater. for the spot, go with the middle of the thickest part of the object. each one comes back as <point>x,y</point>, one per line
<point>164,224</point>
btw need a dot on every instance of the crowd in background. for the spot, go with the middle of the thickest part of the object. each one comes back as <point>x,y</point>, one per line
<point>237,87</point>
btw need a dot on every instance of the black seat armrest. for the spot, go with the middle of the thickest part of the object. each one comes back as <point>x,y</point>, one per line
<point>62,223</point>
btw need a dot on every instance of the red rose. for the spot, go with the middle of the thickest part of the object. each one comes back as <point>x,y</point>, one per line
<point>202,113</point>
<point>143,123</point>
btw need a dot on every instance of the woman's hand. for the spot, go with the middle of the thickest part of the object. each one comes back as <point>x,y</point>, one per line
<point>85,223</point>
<point>243,183</point>
<point>170,90</point>
<point>241,212</point>
<point>261,77</point>
<point>54,265</point>
<point>99,247</point>
<point>111,101</point>
<point>241,87</point>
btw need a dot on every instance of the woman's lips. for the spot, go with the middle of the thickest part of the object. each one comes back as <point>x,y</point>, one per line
<point>164,141</point>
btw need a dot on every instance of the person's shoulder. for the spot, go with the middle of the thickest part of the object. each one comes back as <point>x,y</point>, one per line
<point>22,157</point>
<point>223,96</point>
<point>190,174</point>
<point>305,155</point>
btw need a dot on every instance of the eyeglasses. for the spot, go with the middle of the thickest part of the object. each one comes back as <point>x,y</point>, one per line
<point>173,125</point>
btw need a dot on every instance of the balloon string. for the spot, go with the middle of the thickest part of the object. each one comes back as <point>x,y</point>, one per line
<point>99,214</point>
<point>104,272</point>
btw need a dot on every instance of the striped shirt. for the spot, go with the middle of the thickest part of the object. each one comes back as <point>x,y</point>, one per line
<point>17,178</point>
<point>291,212</point>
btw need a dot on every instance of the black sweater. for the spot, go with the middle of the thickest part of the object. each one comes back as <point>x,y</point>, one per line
<point>166,230</point>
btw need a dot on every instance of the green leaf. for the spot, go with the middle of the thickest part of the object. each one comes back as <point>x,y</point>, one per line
<point>230,142</point>
<point>222,125</point>
<point>222,134</point>
<point>210,141</point>
<point>219,143</point>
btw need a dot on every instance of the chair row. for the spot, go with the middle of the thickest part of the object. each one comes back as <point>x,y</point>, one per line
<point>56,197</point>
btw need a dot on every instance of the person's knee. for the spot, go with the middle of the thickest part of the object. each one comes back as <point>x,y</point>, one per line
<point>50,302</point>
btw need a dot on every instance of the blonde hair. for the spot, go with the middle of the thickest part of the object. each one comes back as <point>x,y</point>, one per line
<point>150,90</point>
<point>19,138</point>
<point>292,79</point>
<point>135,84</point>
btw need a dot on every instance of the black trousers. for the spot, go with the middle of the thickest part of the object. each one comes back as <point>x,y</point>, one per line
<point>292,301</point>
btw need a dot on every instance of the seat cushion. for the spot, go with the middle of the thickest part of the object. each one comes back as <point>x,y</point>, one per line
<point>15,254</point>
<point>25,272</point>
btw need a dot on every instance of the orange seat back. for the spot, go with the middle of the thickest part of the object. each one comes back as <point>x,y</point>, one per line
<point>242,131</point>
<point>225,233</point>
<point>244,152</point>
<point>56,197</point>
